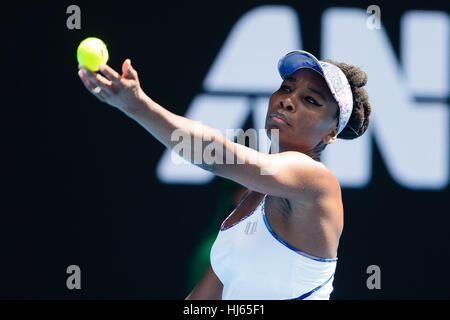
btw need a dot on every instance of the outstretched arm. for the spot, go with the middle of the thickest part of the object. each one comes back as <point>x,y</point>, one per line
<point>125,93</point>
<point>288,174</point>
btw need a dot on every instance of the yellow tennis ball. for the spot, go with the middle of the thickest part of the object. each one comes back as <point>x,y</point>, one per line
<point>91,53</point>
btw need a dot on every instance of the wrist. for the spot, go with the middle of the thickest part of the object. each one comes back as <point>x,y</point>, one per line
<point>141,104</point>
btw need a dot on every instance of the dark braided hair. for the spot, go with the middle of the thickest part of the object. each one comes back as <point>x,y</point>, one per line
<point>359,119</point>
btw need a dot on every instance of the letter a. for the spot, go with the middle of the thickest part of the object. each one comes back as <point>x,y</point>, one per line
<point>74,280</point>
<point>74,20</point>
<point>374,281</point>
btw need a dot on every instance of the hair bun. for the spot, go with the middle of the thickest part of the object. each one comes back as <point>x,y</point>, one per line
<point>356,77</point>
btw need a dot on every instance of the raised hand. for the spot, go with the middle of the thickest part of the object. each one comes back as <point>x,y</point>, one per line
<point>120,91</point>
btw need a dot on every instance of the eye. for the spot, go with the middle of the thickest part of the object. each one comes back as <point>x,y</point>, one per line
<point>312,101</point>
<point>285,88</point>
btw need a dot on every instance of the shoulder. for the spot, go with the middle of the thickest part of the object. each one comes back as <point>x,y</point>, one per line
<point>324,192</point>
<point>319,177</point>
<point>329,182</point>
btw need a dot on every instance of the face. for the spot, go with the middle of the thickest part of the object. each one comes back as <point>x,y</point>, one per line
<point>310,110</point>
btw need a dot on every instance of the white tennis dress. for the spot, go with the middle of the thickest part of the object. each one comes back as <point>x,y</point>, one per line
<point>254,263</point>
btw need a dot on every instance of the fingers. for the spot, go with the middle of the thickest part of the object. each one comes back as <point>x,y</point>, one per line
<point>110,73</point>
<point>125,67</point>
<point>109,81</point>
<point>97,79</point>
<point>128,70</point>
<point>91,84</point>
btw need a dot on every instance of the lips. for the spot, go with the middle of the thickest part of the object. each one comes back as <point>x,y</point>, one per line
<point>279,116</point>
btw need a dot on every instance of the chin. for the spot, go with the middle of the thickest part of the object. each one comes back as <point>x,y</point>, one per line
<point>270,127</point>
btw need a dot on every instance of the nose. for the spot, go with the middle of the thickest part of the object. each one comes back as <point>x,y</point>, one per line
<point>287,104</point>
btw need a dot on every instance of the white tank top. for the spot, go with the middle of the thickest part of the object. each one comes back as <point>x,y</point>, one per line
<point>254,263</point>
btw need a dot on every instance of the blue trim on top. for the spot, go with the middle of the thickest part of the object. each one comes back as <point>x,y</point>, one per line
<point>243,218</point>
<point>288,245</point>
<point>306,295</point>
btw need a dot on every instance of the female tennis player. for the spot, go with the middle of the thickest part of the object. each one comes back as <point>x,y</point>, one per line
<point>281,240</point>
